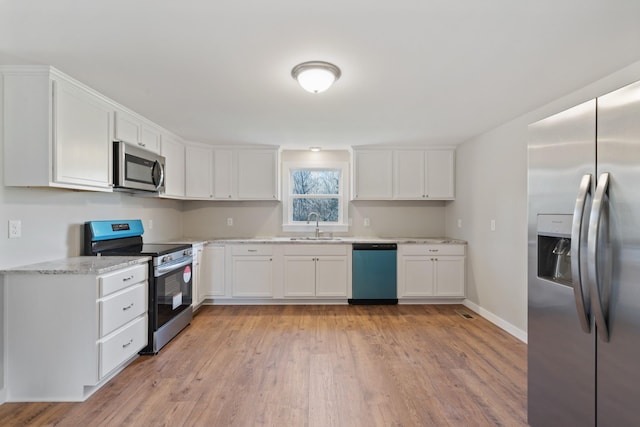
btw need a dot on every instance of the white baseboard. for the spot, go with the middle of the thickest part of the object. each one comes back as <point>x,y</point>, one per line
<point>498,321</point>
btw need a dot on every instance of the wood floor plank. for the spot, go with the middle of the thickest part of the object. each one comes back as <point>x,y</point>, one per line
<point>404,365</point>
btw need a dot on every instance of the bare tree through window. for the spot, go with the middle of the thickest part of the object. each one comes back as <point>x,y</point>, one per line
<point>316,190</point>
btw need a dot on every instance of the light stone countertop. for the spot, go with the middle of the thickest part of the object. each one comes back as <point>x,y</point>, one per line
<point>79,265</point>
<point>335,240</point>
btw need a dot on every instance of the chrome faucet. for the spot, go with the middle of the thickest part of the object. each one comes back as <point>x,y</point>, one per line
<point>317,222</point>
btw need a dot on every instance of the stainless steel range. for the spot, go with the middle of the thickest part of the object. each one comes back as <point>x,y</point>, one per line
<point>170,271</point>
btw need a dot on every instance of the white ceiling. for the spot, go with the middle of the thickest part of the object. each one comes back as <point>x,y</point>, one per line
<point>413,71</point>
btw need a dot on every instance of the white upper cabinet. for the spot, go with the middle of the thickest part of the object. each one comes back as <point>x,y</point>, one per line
<point>57,132</point>
<point>223,174</point>
<point>373,174</point>
<point>404,174</point>
<point>133,130</point>
<point>424,174</point>
<point>198,171</point>
<point>174,172</point>
<point>258,174</point>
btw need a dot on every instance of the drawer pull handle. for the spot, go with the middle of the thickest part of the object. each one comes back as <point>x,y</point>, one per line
<point>126,279</point>
<point>128,344</point>
<point>127,307</point>
<point>252,250</point>
<point>433,250</point>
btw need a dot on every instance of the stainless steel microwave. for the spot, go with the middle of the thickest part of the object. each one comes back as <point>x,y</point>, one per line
<point>135,169</point>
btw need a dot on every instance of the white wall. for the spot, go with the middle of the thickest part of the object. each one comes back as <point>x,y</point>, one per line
<point>491,179</point>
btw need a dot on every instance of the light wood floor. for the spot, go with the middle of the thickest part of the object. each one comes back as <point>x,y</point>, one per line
<point>418,365</point>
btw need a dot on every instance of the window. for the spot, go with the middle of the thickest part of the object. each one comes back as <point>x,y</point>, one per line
<point>318,189</point>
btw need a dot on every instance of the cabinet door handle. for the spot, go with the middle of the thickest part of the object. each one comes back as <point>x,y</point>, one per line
<point>130,306</point>
<point>128,344</point>
<point>126,279</point>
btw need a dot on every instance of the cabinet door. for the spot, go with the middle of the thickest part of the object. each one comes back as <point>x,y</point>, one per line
<point>82,137</point>
<point>128,128</point>
<point>252,276</point>
<point>450,276</point>
<point>408,174</point>
<point>198,172</point>
<point>373,170</point>
<point>213,273</point>
<point>174,154</point>
<point>257,175</point>
<point>150,139</point>
<point>222,174</point>
<point>331,276</point>
<point>418,278</point>
<point>299,276</point>
<point>440,172</point>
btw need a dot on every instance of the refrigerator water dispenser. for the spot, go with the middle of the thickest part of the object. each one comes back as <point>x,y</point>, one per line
<point>554,248</point>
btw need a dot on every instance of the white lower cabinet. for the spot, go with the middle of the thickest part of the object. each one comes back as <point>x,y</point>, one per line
<point>66,334</point>
<point>212,276</point>
<point>312,271</point>
<point>426,271</point>
<point>252,271</point>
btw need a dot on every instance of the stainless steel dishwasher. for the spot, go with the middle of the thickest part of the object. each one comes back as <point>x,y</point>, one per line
<point>374,273</point>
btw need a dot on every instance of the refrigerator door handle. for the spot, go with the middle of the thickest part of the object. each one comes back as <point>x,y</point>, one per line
<point>582,303</point>
<point>592,256</point>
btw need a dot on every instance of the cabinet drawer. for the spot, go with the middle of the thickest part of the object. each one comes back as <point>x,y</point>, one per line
<point>122,307</point>
<point>113,282</point>
<point>432,249</point>
<point>252,250</point>
<point>122,345</point>
<point>324,249</point>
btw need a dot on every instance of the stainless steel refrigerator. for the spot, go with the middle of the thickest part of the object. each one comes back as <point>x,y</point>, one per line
<point>584,264</point>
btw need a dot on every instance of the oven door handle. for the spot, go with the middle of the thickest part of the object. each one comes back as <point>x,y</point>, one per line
<point>163,269</point>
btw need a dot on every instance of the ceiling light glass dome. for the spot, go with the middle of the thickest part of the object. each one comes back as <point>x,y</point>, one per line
<point>316,76</point>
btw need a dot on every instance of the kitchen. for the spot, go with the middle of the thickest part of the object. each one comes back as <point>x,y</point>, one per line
<point>496,260</point>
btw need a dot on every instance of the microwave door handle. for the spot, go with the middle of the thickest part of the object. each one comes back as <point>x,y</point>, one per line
<point>593,246</point>
<point>581,300</point>
<point>157,172</point>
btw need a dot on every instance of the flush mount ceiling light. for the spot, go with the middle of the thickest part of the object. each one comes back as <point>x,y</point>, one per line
<point>316,76</point>
<point>314,149</point>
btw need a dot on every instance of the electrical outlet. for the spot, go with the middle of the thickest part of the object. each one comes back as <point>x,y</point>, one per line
<point>15,228</point>
<point>150,223</point>
<point>367,222</point>
<point>229,222</point>
<point>493,225</point>
<point>459,223</point>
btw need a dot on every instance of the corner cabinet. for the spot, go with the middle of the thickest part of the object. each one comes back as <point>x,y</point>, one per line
<point>426,271</point>
<point>404,174</point>
<point>57,132</point>
<point>316,271</point>
<point>67,334</point>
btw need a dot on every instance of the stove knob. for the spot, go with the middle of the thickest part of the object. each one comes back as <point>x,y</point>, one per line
<point>166,258</point>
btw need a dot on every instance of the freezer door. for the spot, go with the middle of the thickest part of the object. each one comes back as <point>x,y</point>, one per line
<point>618,373</point>
<point>561,359</point>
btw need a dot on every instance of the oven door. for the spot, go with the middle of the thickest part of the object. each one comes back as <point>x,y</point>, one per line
<point>173,290</point>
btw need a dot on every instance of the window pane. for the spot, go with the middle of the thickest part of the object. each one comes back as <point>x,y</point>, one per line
<point>327,209</point>
<point>309,181</point>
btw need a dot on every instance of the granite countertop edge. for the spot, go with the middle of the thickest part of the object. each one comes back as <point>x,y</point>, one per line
<point>91,265</point>
<point>336,240</point>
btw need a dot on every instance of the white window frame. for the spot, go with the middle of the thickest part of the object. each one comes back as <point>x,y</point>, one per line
<point>288,225</point>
